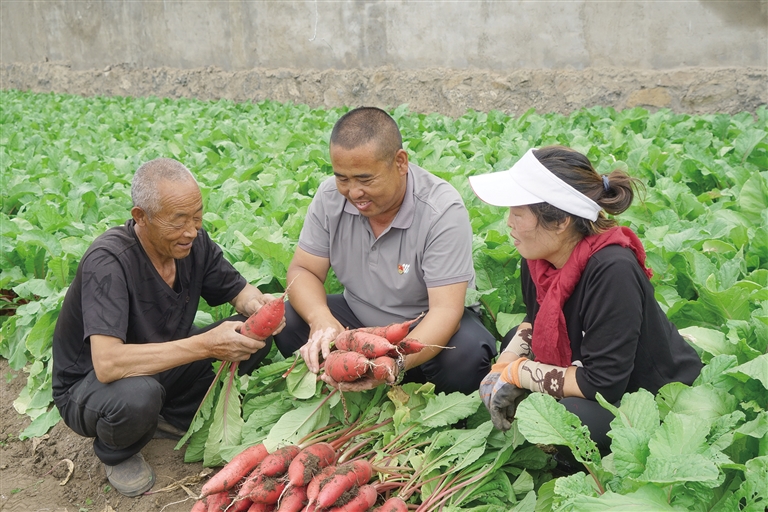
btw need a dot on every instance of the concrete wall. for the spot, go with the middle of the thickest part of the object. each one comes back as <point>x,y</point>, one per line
<point>392,38</point>
<point>318,34</point>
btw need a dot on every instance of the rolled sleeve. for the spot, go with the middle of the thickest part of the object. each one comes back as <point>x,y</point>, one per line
<point>448,251</point>
<point>315,236</point>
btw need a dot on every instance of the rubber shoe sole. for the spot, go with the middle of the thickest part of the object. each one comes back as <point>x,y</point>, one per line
<point>131,477</point>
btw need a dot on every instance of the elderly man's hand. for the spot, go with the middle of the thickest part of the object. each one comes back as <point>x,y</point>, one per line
<point>225,343</point>
<point>257,302</point>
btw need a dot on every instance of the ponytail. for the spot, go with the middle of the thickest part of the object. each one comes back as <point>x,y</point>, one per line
<point>613,192</point>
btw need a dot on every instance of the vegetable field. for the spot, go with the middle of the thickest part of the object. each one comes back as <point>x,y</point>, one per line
<point>66,164</point>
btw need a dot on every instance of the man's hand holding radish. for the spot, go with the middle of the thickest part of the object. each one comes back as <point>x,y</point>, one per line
<point>319,343</point>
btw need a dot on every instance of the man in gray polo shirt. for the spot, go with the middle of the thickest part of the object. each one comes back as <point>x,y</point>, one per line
<point>399,240</point>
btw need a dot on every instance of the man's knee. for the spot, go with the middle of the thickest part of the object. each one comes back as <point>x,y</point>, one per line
<point>119,412</point>
<point>465,361</point>
<point>130,411</point>
<point>460,367</point>
<point>91,403</point>
<point>143,396</point>
<point>249,365</point>
<point>294,334</point>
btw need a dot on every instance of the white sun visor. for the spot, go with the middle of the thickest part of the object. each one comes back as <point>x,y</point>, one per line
<point>529,182</point>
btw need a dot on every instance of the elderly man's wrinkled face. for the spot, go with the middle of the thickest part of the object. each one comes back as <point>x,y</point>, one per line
<point>173,229</point>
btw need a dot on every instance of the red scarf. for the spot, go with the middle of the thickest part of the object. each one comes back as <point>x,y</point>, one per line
<point>550,342</point>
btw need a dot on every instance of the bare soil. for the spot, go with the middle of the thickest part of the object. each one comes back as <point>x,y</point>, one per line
<point>33,471</point>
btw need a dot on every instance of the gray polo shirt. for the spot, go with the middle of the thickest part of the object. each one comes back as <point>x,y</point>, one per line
<point>428,245</point>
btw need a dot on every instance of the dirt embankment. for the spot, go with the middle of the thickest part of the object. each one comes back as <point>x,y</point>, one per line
<point>447,91</point>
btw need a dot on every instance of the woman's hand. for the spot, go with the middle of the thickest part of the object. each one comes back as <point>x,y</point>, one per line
<point>486,388</point>
<point>504,401</point>
<point>500,398</point>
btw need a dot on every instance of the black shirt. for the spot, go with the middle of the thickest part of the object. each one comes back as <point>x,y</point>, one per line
<point>118,292</point>
<point>617,329</point>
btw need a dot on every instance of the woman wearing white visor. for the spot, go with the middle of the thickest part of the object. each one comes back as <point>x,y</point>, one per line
<point>592,323</point>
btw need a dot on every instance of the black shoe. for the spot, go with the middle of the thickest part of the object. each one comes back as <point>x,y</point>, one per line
<point>131,477</point>
<point>167,431</point>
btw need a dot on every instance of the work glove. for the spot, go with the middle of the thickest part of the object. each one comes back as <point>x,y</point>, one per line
<point>500,397</point>
<point>488,383</point>
<point>505,398</point>
<point>486,388</point>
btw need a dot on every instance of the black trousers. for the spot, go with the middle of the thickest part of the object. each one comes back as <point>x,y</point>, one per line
<point>592,414</point>
<point>460,368</point>
<point>122,416</point>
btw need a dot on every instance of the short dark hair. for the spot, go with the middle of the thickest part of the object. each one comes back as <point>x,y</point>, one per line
<point>365,124</point>
<point>614,194</point>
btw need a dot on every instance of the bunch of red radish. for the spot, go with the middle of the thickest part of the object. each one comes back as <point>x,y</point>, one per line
<point>293,479</point>
<point>370,352</point>
<point>358,353</point>
<point>310,478</point>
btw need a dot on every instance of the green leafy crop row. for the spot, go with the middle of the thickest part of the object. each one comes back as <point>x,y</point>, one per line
<point>66,164</point>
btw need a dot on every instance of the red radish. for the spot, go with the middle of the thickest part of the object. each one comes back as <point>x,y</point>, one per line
<point>261,507</point>
<point>343,339</point>
<point>278,462</point>
<point>393,504</point>
<point>235,470</point>
<point>274,464</point>
<point>393,332</point>
<point>239,505</point>
<point>218,502</point>
<point>410,346</point>
<point>313,489</point>
<point>263,323</point>
<point>365,343</point>
<point>268,490</point>
<point>343,366</point>
<point>293,500</point>
<point>345,477</point>
<point>383,367</point>
<point>249,484</point>
<point>309,462</point>
<point>363,500</point>
<point>378,331</point>
<point>200,506</point>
